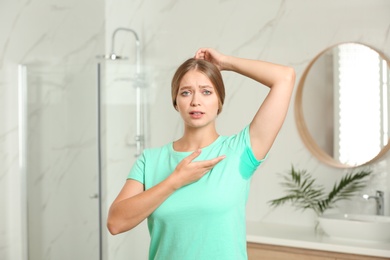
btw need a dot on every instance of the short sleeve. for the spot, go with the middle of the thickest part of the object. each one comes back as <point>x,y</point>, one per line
<point>137,172</point>
<point>248,161</point>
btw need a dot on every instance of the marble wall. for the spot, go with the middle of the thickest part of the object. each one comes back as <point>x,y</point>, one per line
<point>58,45</point>
<point>287,32</point>
<point>60,32</point>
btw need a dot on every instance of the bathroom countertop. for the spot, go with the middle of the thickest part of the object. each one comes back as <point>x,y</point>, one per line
<point>305,237</point>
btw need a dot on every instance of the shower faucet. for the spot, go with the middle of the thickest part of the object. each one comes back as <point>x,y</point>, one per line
<point>114,56</point>
<point>379,198</point>
<point>139,137</point>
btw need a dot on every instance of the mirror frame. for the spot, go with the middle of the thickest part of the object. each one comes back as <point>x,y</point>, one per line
<point>303,130</point>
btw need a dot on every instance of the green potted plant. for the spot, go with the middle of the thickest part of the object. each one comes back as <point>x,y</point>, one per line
<point>303,193</point>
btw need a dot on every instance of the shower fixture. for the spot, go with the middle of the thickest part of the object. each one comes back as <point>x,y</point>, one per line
<point>113,55</point>
<point>139,136</point>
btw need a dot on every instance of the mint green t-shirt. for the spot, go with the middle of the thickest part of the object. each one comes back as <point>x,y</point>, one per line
<point>204,220</point>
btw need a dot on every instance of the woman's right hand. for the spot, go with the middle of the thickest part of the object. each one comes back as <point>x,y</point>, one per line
<point>133,204</point>
<point>188,171</point>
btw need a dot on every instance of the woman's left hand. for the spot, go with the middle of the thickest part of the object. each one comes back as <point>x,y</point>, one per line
<point>212,56</point>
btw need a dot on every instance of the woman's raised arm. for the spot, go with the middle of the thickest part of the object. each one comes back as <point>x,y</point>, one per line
<point>271,114</point>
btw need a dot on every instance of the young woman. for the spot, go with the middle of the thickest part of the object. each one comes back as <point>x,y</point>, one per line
<point>193,191</point>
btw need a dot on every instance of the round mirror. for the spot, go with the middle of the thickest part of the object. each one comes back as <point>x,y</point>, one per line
<point>342,105</point>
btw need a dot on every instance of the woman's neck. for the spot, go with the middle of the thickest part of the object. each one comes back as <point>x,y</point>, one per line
<point>195,139</point>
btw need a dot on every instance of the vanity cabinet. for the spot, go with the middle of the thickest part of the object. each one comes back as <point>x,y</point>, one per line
<point>258,251</point>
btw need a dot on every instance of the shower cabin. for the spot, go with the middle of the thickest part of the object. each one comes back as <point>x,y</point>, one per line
<point>82,127</point>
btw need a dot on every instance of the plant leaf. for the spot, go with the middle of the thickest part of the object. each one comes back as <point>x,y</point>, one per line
<point>303,193</point>
<point>348,186</point>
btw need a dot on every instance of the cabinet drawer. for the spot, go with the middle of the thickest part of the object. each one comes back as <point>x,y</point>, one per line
<point>272,252</point>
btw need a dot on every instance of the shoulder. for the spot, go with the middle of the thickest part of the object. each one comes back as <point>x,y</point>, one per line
<point>157,151</point>
<point>240,137</point>
<point>241,143</point>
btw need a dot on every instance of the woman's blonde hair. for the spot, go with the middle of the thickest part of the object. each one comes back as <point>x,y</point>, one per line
<point>205,67</point>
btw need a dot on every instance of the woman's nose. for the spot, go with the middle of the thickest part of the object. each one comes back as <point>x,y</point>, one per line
<point>195,100</point>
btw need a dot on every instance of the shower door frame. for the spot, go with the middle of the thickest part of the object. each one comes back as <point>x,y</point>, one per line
<point>22,148</point>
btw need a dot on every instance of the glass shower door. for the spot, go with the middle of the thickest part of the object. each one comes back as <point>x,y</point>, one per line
<point>61,161</point>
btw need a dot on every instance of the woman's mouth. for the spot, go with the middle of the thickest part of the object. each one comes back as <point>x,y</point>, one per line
<point>196,114</point>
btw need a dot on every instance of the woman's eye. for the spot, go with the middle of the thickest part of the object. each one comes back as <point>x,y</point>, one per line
<point>185,93</point>
<point>207,92</point>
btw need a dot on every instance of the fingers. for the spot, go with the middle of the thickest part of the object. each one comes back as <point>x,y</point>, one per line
<point>211,162</point>
<point>189,171</point>
<point>192,156</point>
<point>200,54</point>
<point>206,54</point>
<point>204,165</point>
<point>215,161</point>
<point>210,55</point>
<point>207,165</point>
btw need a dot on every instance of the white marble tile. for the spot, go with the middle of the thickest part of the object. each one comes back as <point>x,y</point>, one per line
<point>283,31</point>
<point>60,32</point>
<point>62,139</point>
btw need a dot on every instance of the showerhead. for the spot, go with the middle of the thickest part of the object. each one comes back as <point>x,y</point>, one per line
<point>111,56</point>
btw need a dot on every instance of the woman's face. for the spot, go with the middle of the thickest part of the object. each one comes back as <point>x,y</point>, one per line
<point>197,100</point>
